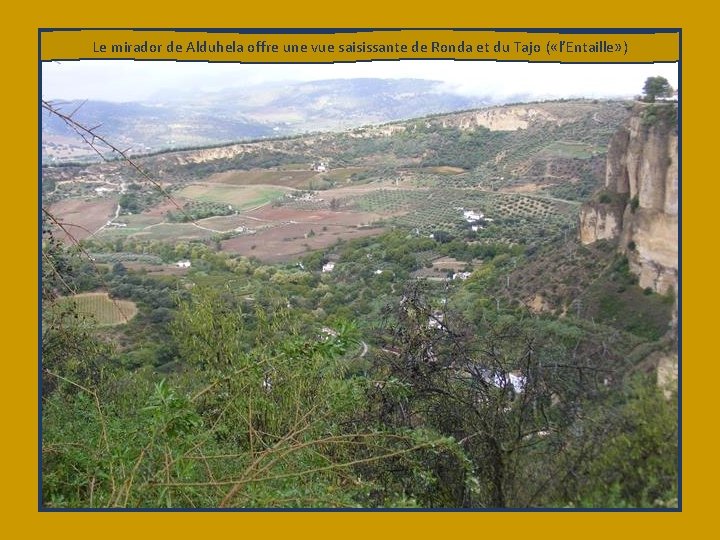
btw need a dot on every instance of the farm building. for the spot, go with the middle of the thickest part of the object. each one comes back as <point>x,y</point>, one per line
<point>471,216</point>
<point>320,167</point>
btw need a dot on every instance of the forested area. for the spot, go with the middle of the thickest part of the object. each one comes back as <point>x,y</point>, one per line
<point>243,384</point>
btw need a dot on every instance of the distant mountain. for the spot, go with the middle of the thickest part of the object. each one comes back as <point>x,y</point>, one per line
<point>268,110</point>
<point>144,127</point>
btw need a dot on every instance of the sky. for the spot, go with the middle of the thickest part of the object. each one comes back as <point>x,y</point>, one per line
<point>127,80</point>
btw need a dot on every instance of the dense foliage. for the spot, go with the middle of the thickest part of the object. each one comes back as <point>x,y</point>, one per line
<point>243,384</point>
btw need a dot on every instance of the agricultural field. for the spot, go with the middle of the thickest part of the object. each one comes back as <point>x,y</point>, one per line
<point>162,232</point>
<point>518,213</point>
<point>248,213</point>
<point>393,201</point>
<point>140,221</point>
<point>170,204</point>
<point>569,150</point>
<point>104,310</point>
<point>226,224</point>
<point>288,242</point>
<point>428,210</point>
<point>416,175</point>
<point>82,217</point>
<point>444,171</point>
<point>438,268</point>
<point>283,234</point>
<point>283,178</point>
<point>344,174</point>
<point>242,198</point>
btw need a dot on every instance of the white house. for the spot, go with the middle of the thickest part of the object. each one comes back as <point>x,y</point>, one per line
<point>515,380</point>
<point>471,216</point>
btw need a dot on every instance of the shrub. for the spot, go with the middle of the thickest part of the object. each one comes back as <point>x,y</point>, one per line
<point>634,203</point>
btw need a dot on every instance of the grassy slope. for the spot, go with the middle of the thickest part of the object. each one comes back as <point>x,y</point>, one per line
<point>105,310</point>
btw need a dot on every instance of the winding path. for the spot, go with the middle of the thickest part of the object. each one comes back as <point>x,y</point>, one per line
<point>123,189</point>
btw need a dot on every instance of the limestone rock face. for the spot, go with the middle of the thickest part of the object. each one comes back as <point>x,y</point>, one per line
<point>511,118</point>
<point>641,173</point>
<point>655,257</point>
<point>651,161</point>
<point>600,222</point>
<point>616,175</point>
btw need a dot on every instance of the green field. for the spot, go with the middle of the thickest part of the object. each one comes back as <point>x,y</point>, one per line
<point>139,221</point>
<point>161,231</point>
<point>440,170</point>
<point>242,198</point>
<point>105,310</point>
<point>285,178</point>
<point>344,174</point>
<point>567,149</point>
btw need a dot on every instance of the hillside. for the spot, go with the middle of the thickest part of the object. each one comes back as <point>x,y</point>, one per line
<point>532,173</point>
<point>182,119</point>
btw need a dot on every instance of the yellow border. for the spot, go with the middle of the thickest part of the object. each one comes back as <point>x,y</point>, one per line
<point>19,490</point>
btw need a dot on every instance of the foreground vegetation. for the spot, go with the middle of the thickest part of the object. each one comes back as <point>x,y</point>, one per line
<point>251,385</point>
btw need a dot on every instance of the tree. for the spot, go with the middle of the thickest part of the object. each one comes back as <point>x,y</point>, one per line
<point>656,87</point>
<point>512,392</point>
<point>262,416</point>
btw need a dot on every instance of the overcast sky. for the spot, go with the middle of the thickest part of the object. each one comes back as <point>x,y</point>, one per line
<point>127,80</point>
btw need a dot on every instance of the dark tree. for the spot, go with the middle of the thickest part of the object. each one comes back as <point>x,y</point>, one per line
<point>512,392</point>
<point>656,87</point>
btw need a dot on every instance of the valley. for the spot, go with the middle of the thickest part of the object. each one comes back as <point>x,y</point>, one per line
<point>470,309</point>
<point>365,179</point>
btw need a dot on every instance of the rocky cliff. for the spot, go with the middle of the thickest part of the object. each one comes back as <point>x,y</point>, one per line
<point>639,209</point>
<point>639,205</point>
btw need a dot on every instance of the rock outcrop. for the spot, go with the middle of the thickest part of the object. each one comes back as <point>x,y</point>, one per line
<point>639,209</point>
<point>599,221</point>
<point>639,205</point>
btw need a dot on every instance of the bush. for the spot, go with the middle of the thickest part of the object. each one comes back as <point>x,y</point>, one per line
<point>634,203</point>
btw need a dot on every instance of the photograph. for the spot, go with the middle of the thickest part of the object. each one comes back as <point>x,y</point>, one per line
<point>382,285</point>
